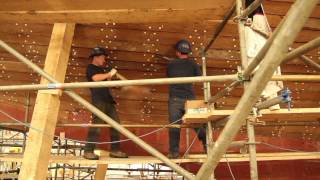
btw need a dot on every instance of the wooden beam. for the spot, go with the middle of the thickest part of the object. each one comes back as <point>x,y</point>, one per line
<point>117,16</point>
<point>129,44</point>
<point>101,170</point>
<point>198,158</point>
<point>214,115</point>
<point>281,8</point>
<point>44,118</point>
<point>47,5</point>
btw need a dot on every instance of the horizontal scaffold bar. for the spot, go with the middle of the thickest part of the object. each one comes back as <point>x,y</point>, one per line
<point>158,81</point>
<point>195,158</point>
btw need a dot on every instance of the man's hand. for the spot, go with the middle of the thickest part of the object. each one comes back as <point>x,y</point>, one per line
<point>104,76</point>
<point>113,72</point>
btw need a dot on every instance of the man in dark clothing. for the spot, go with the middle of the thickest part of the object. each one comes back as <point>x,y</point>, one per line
<point>103,100</point>
<point>183,66</point>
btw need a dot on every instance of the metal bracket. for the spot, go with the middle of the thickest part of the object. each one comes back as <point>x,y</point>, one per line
<point>241,77</point>
<point>258,122</point>
<point>286,97</point>
<point>238,19</point>
<point>253,119</point>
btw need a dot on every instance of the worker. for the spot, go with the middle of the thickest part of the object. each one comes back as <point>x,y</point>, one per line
<point>103,100</point>
<point>182,66</point>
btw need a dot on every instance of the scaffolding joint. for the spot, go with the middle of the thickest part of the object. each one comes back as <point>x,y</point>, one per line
<point>242,78</point>
<point>253,117</point>
<point>286,97</point>
<point>55,86</point>
<point>238,19</point>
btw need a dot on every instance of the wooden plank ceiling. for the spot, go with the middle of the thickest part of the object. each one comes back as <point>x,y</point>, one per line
<point>134,35</point>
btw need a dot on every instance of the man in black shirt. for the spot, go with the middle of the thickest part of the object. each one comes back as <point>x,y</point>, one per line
<point>183,66</point>
<point>103,100</point>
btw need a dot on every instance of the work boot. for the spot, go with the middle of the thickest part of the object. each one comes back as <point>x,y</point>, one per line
<point>90,156</point>
<point>118,154</point>
<point>173,155</point>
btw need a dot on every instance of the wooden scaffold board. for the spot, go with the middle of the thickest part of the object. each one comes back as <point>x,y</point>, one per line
<point>195,158</point>
<point>199,112</point>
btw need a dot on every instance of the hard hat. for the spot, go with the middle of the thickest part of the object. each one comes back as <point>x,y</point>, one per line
<point>98,51</point>
<point>183,46</point>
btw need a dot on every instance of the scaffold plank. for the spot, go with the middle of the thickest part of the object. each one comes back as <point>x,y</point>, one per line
<point>193,158</point>
<point>214,115</point>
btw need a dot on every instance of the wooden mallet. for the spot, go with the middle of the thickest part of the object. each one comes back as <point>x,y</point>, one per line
<point>133,89</point>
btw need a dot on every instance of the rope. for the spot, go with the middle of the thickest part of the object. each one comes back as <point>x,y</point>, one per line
<point>285,149</point>
<point>229,167</point>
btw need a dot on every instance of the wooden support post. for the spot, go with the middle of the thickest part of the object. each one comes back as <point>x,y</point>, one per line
<point>45,114</point>
<point>245,62</point>
<point>296,18</point>
<point>252,151</point>
<point>101,168</point>
<point>187,139</point>
<point>26,116</point>
<point>207,95</point>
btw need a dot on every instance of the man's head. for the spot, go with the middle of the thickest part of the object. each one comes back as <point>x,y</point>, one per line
<point>98,56</point>
<point>183,48</point>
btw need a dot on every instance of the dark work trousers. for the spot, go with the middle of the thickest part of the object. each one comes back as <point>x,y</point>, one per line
<point>176,111</point>
<point>93,134</point>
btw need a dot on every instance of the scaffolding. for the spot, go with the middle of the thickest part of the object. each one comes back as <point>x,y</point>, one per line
<point>38,150</point>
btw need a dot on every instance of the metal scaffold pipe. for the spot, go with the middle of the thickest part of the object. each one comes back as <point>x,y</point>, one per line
<point>159,81</point>
<point>315,43</point>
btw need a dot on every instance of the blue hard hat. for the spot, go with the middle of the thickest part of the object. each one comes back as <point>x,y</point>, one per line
<point>183,46</point>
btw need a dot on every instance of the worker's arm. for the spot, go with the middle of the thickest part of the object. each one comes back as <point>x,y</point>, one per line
<point>104,76</point>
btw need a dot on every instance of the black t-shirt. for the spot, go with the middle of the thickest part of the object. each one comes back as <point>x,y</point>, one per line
<point>182,68</point>
<point>99,94</point>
